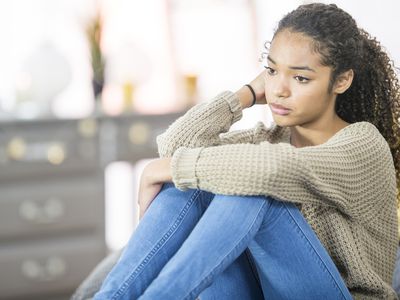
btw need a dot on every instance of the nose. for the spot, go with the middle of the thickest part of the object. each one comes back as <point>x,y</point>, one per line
<point>281,87</point>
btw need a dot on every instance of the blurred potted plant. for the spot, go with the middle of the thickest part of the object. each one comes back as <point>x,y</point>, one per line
<point>94,35</point>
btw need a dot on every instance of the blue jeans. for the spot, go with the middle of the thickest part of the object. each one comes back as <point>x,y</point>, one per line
<point>194,243</point>
<point>396,277</point>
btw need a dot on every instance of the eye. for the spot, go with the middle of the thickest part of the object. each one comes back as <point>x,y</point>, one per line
<point>302,79</point>
<point>270,71</point>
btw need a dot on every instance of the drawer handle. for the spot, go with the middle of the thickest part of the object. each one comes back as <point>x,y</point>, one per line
<point>16,148</point>
<point>56,153</point>
<point>87,127</point>
<point>139,133</point>
<point>53,268</point>
<point>49,212</point>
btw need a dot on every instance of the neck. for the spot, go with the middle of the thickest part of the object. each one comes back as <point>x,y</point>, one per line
<point>315,134</point>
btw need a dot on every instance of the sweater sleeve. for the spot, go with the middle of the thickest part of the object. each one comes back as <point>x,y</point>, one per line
<point>205,124</point>
<point>349,171</point>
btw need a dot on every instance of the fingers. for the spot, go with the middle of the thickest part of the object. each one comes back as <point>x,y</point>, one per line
<point>258,85</point>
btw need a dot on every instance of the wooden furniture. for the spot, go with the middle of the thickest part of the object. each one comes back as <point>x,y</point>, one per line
<point>52,229</point>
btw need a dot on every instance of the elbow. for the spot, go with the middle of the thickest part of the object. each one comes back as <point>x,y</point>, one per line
<point>163,148</point>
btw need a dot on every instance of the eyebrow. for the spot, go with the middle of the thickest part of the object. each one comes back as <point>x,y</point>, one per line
<point>293,67</point>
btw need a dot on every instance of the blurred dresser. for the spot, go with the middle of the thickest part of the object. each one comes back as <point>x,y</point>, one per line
<point>52,219</point>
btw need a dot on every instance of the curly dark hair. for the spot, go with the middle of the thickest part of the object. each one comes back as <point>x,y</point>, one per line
<point>374,95</point>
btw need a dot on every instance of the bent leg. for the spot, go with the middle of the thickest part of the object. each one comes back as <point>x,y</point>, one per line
<point>237,282</point>
<point>228,226</point>
<point>166,224</point>
<point>221,235</point>
<point>291,261</point>
<point>92,283</point>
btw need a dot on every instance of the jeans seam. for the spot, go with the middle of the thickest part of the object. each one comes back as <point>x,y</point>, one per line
<point>229,252</point>
<point>253,269</point>
<point>321,261</point>
<point>122,290</point>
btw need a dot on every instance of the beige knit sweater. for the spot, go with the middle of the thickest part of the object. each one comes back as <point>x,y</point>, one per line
<point>345,187</point>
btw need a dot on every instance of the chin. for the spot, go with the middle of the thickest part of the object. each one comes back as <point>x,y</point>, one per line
<point>283,121</point>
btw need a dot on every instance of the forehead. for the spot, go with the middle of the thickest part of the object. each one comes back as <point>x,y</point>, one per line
<point>293,49</point>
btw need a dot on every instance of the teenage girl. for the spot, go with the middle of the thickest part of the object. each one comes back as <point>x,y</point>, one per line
<point>305,209</point>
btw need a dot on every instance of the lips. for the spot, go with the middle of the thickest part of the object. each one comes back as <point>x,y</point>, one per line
<point>278,106</point>
<point>279,109</point>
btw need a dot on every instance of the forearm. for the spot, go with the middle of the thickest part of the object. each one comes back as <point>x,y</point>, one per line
<point>245,97</point>
<point>202,124</point>
<point>159,170</point>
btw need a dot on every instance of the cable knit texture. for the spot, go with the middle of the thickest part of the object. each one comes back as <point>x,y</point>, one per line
<point>345,187</point>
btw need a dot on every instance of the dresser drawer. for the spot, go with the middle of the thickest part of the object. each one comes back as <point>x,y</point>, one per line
<point>135,138</point>
<point>52,267</point>
<point>51,206</point>
<point>34,148</point>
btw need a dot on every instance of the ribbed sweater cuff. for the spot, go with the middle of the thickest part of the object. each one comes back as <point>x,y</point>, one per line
<point>234,104</point>
<point>183,165</point>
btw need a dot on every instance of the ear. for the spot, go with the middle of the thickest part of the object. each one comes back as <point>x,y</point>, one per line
<point>343,82</point>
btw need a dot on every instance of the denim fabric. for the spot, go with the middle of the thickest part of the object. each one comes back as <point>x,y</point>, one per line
<point>396,277</point>
<point>92,283</point>
<point>197,244</point>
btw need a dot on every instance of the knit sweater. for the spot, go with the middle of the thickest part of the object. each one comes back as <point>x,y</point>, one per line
<point>345,187</point>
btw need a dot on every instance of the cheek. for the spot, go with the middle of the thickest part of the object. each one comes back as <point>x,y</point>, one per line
<point>268,90</point>
<point>310,92</point>
<point>309,101</point>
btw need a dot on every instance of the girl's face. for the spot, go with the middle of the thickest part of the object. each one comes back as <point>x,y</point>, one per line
<point>296,80</point>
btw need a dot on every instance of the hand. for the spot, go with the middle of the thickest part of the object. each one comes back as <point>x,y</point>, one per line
<point>153,177</point>
<point>258,84</point>
<point>148,190</point>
